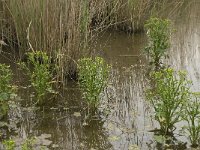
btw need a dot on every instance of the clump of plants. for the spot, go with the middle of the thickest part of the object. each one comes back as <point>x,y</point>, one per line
<point>158,32</point>
<point>9,144</point>
<point>168,94</point>
<point>28,144</point>
<point>191,115</point>
<point>93,77</point>
<point>6,88</point>
<point>39,71</point>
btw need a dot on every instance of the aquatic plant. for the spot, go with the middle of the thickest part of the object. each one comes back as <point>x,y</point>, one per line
<point>28,144</point>
<point>191,114</point>
<point>93,76</point>
<point>5,82</point>
<point>168,94</point>
<point>158,32</point>
<point>9,144</point>
<point>6,88</point>
<point>40,73</point>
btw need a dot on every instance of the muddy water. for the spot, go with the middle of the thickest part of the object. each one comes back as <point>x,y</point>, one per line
<point>126,117</point>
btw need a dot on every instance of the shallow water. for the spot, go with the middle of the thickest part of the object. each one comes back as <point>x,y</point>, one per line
<point>126,125</point>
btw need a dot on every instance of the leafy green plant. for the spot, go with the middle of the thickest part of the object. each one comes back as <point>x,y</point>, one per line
<point>168,94</point>
<point>192,116</point>
<point>158,32</point>
<point>28,144</point>
<point>9,144</point>
<point>93,76</point>
<point>6,88</point>
<point>38,69</point>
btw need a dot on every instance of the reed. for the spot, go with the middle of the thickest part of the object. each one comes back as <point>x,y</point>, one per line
<point>64,28</point>
<point>52,26</point>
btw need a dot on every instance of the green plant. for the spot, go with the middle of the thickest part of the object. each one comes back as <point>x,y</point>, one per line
<point>93,76</point>
<point>9,144</point>
<point>168,94</point>
<point>6,88</point>
<point>28,144</point>
<point>40,73</point>
<point>192,116</point>
<point>158,32</point>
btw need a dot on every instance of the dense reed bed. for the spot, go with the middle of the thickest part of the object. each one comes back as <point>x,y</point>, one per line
<point>64,28</point>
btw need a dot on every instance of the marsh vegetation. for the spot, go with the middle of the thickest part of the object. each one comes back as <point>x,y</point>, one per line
<point>62,84</point>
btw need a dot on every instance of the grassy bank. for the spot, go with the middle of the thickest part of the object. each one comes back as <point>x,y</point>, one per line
<point>63,28</point>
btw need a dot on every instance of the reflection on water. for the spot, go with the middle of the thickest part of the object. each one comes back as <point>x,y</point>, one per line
<point>185,52</point>
<point>120,49</point>
<point>129,119</point>
<point>127,124</point>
